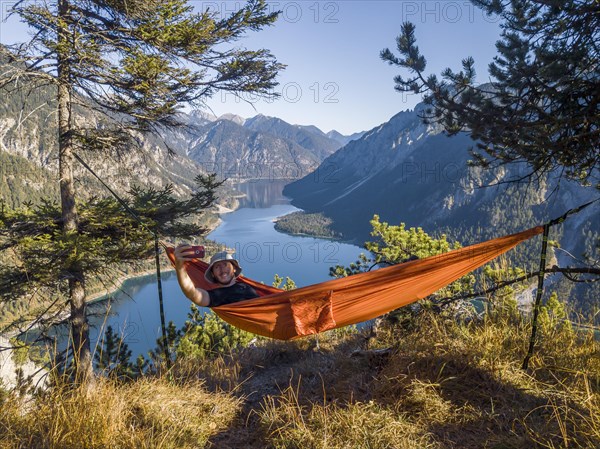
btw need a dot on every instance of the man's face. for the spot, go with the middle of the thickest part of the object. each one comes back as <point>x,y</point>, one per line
<point>223,271</point>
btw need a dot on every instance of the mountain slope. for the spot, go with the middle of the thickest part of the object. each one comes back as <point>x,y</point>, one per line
<point>236,152</point>
<point>344,140</point>
<point>406,171</point>
<point>309,137</point>
<point>29,140</point>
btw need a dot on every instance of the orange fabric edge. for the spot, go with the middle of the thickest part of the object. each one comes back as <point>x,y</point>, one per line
<point>355,298</point>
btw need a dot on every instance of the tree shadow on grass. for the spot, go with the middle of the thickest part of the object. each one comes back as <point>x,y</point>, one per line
<point>469,407</point>
<point>266,371</point>
<point>457,403</point>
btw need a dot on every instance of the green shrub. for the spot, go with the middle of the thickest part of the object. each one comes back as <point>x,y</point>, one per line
<point>206,336</point>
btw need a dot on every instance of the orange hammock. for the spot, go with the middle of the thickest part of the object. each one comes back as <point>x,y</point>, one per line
<point>285,315</point>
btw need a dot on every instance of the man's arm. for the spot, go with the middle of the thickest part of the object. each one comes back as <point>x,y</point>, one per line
<point>198,296</point>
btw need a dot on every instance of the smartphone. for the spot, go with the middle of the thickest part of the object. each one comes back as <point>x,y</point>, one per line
<point>198,252</point>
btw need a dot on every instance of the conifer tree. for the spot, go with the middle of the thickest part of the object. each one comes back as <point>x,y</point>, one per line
<point>394,244</point>
<point>133,63</point>
<point>113,356</point>
<point>158,354</point>
<point>110,234</point>
<point>542,106</point>
<point>205,335</point>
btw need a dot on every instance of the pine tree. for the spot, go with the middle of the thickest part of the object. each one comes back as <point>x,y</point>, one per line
<point>109,234</point>
<point>542,106</point>
<point>205,336</point>
<point>158,354</point>
<point>132,62</point>
<point>114,356</point>
<point>394,244</point>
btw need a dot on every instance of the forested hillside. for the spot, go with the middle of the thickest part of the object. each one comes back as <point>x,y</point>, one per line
<point>29,145</point>
<point>408,172</point>
<point>21,180</point>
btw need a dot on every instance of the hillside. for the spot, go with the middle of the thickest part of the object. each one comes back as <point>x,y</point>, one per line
<point>231,146</point>
<point>28,150</point>
<point>434,383</point>
<point>408,172</point>
<point>22,180</point>
<point>28,137</point>
<point>309,137</point>
<point>344,140</point>
<point>236,152</point>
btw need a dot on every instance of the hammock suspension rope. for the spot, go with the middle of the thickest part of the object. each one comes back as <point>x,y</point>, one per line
<point>156,257</point>
<point>226,311</point>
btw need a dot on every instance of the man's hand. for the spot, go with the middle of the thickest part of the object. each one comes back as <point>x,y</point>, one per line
<point>196,295</point>
<point>181,253</point>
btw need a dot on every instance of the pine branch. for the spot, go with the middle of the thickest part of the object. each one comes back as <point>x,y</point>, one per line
<point>567,272</point>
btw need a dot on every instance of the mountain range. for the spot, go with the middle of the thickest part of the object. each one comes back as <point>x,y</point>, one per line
<point>412,173</point>
<point>231,146</point>
<point>402,170</point>
<point>258,148</point>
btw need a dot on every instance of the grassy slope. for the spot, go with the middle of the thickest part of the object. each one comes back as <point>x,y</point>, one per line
<point>442,385</point>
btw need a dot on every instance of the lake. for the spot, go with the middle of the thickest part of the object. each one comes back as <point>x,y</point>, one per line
<point>262,252</point>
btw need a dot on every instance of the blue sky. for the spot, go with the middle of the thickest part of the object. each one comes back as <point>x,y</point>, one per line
<point>334,77</point>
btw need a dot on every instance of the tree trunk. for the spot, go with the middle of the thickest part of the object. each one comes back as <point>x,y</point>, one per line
<point>80,340</point>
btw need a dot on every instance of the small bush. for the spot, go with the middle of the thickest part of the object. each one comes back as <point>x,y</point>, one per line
<point>207,336</point>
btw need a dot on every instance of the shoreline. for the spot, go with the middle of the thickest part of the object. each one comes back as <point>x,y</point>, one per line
<point>120,281</point>
<point>312,235</point>
<point>316,236</point>
<point>7,365</point>
<point>117,284</point>
<point>92,299</point>
<point>8,377</point>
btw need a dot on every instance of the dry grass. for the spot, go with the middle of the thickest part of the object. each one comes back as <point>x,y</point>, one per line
<point>350,426</point>
<point>443,385</point>
<point>450,386</point>
<point>150,413</point>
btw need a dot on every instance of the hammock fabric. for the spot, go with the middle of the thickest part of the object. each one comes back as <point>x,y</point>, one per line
<point>286,315</point>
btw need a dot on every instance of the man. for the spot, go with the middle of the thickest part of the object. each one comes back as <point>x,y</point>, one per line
<point>223,270</point>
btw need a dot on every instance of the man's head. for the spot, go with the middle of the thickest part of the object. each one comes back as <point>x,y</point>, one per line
<point>223,269</point>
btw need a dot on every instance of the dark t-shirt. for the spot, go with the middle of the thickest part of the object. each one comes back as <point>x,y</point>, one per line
<point>228,295</point>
